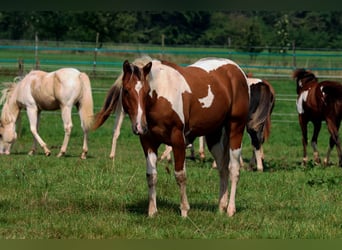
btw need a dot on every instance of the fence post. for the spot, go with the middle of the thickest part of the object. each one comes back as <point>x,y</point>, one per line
<point>95,53</point>
<point>163,42</point>
<point>36,52</point>
<point>294,63</point>
<point>20,67</point>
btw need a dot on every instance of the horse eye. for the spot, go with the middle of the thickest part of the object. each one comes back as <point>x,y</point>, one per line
<point>125,91</point>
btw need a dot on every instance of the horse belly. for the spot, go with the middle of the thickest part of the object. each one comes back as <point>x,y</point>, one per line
<point>46,102</point>
<point>203,121</point>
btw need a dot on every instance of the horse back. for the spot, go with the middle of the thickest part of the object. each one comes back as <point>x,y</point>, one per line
<point>219,92</point>
<point>332,97</point>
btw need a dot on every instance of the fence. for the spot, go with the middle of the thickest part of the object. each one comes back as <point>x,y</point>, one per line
<point>106,59</point>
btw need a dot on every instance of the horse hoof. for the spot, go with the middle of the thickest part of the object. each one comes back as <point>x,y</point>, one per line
<point>60,154</point>
<point>231,211</point>
<point>84,155</point>
<point>184,213</point>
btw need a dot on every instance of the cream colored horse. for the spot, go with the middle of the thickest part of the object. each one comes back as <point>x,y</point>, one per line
<point>39,90</point>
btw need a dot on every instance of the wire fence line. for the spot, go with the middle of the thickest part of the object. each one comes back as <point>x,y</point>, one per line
<point>106,61</point>
<point>107,58</point>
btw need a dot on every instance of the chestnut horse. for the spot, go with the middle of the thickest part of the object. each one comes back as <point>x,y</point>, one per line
<point>258,127</point>
<point>170,104</point>
<point>317,102</point>
<point>39,90</point>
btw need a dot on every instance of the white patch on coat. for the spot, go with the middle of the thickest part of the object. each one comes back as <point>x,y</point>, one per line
<point>208,100</point>
<point>252,81</point>
<point>210,64</point>
<point>138,87</point>
<point>169,84</point>
<point>302,98</point>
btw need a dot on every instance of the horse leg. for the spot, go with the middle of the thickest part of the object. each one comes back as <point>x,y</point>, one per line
<point>192,152</point>
<point>334,140</point>
<point>326,160</point>
<point>179,152</point>
<point>167,153</point>
<point>235,143</point>
<point>34,145</point>
<point>317,128</point>
<point>257,150</point>
<point>201,147</point>
<point>218,147</point>
<point>116,131</point>
<point>33,115</point>
<point>303,125</point>
<point>150,152</point>
<point>85,145</point>
<point>67,121</point>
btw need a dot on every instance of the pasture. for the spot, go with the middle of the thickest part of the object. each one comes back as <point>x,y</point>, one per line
<point>98,198</point>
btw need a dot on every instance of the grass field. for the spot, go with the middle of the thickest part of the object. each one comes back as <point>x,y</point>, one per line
<point>69,198</point>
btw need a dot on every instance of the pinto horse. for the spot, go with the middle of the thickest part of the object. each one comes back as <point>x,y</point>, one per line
<point>317,102</point>
<point>39,90</point>
<point>258,127</point>
<point>170,104</point>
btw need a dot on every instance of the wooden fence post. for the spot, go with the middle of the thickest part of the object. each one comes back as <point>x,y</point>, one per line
<point>294,63</point>
<point>20,67</point>
<point>36,52</point>
<point>95,53</point>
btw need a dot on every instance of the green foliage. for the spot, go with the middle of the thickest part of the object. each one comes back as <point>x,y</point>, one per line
<point>238,29</point>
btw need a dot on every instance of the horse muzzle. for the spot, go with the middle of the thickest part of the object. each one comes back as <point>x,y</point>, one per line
<point>140,129</point>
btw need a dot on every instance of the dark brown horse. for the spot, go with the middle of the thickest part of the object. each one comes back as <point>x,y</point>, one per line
<point>317,102</point>
<point>173,105</point>
<point>259,117</point>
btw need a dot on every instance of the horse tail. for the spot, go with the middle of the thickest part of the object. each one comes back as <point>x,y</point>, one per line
<point>260,108</point>
<point>112,100</point>
<point>86,107</point>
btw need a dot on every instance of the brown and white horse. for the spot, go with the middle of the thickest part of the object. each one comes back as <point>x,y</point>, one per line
<point>39,90</point>
<point>317,102</point>
<point>170,104</point>
<point>262,100</point>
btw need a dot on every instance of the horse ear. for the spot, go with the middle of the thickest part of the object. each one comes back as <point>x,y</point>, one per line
<point>126,67</point>
<point>147,68</point>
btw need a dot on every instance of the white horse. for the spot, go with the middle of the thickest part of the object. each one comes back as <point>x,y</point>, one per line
<point>39,90</point>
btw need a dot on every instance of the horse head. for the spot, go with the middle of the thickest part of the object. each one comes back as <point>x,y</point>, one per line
<point>9,115</point>
<point>135,91</point>
<point>302,77</point>
<point>7,137</point>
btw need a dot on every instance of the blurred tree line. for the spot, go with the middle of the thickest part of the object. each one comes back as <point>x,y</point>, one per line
<point>245,30</point>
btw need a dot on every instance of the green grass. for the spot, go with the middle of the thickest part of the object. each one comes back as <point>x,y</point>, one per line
<point>47,197</point>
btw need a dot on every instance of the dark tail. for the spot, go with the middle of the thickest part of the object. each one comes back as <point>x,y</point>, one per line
<point>260,108</point>
<point>113,99</point>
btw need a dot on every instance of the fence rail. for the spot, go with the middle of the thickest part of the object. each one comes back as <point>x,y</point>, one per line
<point>108,58</point>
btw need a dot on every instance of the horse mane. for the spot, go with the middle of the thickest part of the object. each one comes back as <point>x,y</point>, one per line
<point>7,91</point>
<point>301,74</point>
